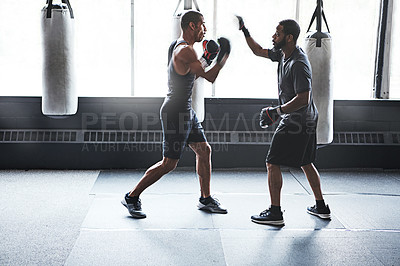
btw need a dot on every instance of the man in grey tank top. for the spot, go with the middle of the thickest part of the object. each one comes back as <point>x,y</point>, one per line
<point>294,141</point>
<point>179,122</point>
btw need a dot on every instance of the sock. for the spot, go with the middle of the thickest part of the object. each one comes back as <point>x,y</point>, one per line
<point>320,204</point>
<point>130,199</point>
<point>275,209</point>
<point>205,201</point>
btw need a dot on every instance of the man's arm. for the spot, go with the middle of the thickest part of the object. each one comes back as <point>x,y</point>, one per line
<point>299,101</point>
<point>254,46</point>
<point>211,75</point>
<point>189,57</point>
<point>270,115</point>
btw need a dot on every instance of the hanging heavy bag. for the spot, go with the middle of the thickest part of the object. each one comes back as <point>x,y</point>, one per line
<point>318,46</point>
<point>59,96</point>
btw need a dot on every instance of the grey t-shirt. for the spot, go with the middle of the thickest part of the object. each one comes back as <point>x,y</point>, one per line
<point>294,77</point>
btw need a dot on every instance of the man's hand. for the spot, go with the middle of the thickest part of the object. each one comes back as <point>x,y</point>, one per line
<point>241,22</point>
<point>242,27</point>
<point>269,115</point>
<point>211,49</point>
<point>225,49</point>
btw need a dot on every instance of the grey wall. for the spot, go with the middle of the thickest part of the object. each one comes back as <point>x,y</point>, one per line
<point>126,114</point>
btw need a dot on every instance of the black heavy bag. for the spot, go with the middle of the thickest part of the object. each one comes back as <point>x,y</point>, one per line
<point>59,92</point>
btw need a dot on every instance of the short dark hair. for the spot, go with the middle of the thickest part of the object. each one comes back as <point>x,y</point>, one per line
<point>190,16</point>
<point>290,26</point>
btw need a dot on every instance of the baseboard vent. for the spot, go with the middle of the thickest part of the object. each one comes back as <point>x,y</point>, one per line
<point>123,136</point>
<point>213,137</point>
<point>364,138</point>
<point>155,137</point>
<point>239,137</point>
<point>24,136</point>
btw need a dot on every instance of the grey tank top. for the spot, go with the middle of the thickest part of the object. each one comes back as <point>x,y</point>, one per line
<point>179,86</point>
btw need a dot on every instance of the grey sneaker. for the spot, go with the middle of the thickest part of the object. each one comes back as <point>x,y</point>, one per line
<point>134,207</point>
<point>267,217</point>
<point>211,205</point>
<point>323,213</point>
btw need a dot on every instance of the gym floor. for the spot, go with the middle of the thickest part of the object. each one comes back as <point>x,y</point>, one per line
<point>75,218</point>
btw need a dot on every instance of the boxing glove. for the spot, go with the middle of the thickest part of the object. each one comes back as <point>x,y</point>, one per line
<point>269,115</point>
<point>242,27</point>
<point>225,49</point>
<point>211,49</point>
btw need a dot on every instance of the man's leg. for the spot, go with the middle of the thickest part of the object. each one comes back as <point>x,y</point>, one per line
<point>273,215</point>
<point>153,174</point>
<point>313,178</point>
<point>203,168</point>
<point>319,209</point>
<point>274,183</point>
<point>203,165</point>
<point>131,200</point>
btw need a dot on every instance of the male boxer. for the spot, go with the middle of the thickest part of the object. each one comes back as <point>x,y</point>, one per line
<point>294,141</point>
<point>179,122</point>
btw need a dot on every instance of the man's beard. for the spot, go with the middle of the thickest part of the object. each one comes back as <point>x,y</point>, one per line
<point>199,37</point>
<point>280,44</point>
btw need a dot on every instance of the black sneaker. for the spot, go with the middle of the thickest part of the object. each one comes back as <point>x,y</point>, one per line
<point>211,205</point>
<point>323,213</point>
<point>267,217</point>
<point>134,207</point>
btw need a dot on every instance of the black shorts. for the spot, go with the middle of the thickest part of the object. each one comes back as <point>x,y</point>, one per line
<point>293,145</point>
<point>178,131</point>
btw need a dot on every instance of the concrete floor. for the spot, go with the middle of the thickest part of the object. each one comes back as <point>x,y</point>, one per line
<point>76,218</point>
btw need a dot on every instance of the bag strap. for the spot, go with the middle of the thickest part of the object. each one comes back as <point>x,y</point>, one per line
<point>318,13</point>
<point>71,12</point>
<point>177,6</point>
<point>50,8</point>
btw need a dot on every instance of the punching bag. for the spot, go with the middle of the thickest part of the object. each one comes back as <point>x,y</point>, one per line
<point>318,46</point>
<point>198,87</point>
<point>59,96</point>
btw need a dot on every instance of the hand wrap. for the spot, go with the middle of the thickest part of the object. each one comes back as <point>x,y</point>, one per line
<point>211,49</point>
<point>242,27</point>
<point>270,115</point>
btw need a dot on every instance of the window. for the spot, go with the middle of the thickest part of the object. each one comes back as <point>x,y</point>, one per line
<point>354,27</point>
<point>20,51</point>
<point>102,51</point>
<point>246,75</point>
<point>103,46</point>
<point>153,35</point>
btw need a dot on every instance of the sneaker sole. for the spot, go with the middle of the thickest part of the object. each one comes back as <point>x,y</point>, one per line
<point>211,210</point>
<point>123,202</point>
<point>320,215</point>
<point>279,222</point>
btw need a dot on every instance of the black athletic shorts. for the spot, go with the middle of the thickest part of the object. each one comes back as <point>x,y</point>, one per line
<point>293,145</point>
<point>178,131</point>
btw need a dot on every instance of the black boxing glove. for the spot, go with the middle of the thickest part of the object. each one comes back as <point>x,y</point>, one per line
<point>225,49</point>
<point>270,115</point>
<point>211,49</point>
<point>242,27</point>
